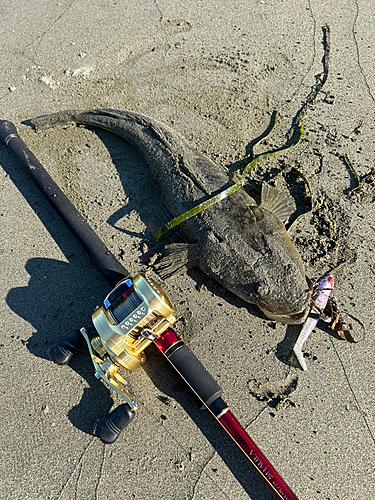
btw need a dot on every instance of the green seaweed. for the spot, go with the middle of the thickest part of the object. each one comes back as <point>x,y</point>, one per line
<point>350,165</point>
<point>240,182</point>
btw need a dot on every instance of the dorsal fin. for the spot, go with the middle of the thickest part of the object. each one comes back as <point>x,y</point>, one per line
<point>280,204</point>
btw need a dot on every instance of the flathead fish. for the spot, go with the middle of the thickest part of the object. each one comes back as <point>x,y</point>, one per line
<point>241,244</point>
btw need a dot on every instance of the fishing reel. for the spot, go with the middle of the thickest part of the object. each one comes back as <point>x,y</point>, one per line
<point>132,316</point>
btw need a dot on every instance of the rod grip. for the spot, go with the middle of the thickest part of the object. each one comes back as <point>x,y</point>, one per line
<point>189,367</point>
<point>196,375</point>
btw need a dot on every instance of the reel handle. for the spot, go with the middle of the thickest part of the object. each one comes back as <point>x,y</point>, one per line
<point>109,427</point>
<point>62,352</point>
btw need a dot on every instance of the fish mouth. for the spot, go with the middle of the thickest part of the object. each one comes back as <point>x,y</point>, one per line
<point>293,318</point>
<point>296,316</point>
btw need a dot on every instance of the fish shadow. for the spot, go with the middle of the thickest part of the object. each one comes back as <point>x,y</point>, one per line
<point>143,194</point>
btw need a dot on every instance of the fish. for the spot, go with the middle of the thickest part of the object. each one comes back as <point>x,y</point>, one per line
<point>242,244</point>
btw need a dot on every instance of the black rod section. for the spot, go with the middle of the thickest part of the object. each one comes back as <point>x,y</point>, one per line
<point>195,374</point>
<point>109,266</point>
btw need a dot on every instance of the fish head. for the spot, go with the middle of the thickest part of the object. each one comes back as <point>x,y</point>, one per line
<point>270,276</point>
<point>284,300</point>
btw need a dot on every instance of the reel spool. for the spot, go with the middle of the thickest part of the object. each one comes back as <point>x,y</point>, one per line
<point>134,313</point>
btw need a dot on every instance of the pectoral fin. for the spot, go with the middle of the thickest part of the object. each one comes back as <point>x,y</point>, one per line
<point>178,258</point>
<point>280,204</point>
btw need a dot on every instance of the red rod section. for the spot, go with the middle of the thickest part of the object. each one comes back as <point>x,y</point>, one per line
<point>208,391</point>
<point>258,459</point>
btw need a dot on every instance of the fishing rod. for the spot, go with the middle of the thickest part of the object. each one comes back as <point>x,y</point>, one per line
<point>133,315</point>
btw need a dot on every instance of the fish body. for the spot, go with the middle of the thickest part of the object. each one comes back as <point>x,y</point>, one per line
<point>244,246</point>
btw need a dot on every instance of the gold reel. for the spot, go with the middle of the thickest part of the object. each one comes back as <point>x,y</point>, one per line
<point>132,315</point>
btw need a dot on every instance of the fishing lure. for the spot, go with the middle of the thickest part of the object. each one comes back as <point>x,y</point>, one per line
<point>319,299</point>
<point>325,308</point>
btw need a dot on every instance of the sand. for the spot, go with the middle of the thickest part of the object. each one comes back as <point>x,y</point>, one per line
<point>215,72</point>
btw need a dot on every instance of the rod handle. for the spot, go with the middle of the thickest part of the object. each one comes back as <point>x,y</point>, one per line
<point>7,131</point>
<point>189,367</point>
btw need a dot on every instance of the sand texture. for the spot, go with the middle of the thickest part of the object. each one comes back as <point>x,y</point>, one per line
<point>215,72</point>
